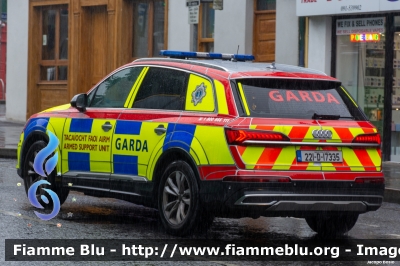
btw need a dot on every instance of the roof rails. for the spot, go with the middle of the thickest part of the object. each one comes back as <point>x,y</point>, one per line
<point>186,55</point>
<point>291,68</point>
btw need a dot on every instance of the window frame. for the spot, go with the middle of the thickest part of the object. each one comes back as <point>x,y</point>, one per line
<point>137,89</point>
<point>129,95</point>
<point>56,63</point>
<point>150,21</point>
<point>202,42</point>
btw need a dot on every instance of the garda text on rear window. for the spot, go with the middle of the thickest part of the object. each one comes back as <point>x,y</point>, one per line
<point>167,251</point>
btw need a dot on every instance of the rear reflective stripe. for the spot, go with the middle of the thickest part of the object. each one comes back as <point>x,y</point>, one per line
<point>251,156</point>
<point>364,158</point>
<point>344,133</point>
<point>375,157</point>
<point>268,157</point>
<point>298,132</point>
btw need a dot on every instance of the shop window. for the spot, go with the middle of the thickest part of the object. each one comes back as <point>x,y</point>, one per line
<point>206,27</point>
<point>54,57</point>
<point>360,65</point>
<point>148,28</point>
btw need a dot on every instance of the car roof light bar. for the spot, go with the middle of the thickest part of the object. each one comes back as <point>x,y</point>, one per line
<point>186,55</point>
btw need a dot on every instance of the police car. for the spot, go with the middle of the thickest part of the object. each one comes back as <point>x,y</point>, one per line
<point>223,137</point>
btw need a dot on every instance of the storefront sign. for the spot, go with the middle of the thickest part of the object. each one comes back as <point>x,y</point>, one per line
<point>193,14</point>
<point>192,3</point>
<point>360,26</point>
<point>368,37</point>
<point>342,7</point>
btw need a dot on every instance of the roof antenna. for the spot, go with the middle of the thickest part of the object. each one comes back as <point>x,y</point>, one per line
<point>233,59</point>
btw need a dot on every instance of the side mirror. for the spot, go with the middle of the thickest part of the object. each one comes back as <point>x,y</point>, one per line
<point>79,101</point>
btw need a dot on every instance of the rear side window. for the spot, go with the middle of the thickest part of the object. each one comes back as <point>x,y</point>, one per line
<point>278,98</point>
<point>162,88</point>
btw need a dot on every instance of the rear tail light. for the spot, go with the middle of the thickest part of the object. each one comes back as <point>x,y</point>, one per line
<point>370,180</point>
<point>368,138</point>
<point>255,179</point>
<point>237,137</point>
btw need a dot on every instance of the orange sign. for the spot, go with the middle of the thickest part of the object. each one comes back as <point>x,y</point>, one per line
<point>367,37</point>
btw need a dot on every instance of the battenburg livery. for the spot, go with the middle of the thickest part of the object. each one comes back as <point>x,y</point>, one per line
<point>219,137</point>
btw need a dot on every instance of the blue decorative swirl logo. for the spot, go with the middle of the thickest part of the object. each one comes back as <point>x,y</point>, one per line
<point>38,167</point>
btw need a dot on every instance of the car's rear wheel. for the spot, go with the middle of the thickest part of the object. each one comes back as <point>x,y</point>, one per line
<point>178,199</point>
<point>330,225</point>
<point>30,177</point>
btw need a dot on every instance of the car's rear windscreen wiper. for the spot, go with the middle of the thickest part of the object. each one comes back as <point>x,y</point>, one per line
<point>330,117</point>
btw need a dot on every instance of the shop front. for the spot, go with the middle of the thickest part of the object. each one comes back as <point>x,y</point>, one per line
<point>365,56</point>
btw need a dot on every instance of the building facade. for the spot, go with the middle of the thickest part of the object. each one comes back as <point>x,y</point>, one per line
<point>359,43</point>
<point>59,48</point>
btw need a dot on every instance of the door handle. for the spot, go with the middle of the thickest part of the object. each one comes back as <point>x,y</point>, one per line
<point>106,126</point>
<point>160,130</point>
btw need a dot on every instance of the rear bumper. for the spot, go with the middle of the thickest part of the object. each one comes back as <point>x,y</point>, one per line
<point>296,198</point>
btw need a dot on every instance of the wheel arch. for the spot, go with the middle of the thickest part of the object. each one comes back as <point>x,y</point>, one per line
<point>168,157</point>
<point>29,140</point>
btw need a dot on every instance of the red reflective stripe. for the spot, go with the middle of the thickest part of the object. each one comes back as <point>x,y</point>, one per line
<point>300,166</point>
<point>269,128</point>
<point>364,158</point>
<point>344,134</point>
<point>298,133</point>
<point>269,157</point>
<point>241,149</point>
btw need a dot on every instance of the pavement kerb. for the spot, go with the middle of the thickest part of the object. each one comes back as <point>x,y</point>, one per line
<point>391,195</point>
<point>9,153</point>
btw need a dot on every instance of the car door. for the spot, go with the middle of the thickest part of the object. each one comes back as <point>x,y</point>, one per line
<point>143,131</point>
<point>88,135</point>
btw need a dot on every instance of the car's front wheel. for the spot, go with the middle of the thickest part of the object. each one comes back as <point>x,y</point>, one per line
<point>30,176</point>
<point>178,199</point>
<point>330,225</point>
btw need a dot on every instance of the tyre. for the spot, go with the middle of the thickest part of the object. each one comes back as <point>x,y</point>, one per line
<point>178,199</point>
<point>330,225</point>
<point>30,177</point>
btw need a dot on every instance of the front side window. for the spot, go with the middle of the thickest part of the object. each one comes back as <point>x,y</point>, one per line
<point>162,88</point>
<point>114,91</point>
<point>148,28</point>
<point>54,58</point>
<point>302,99</point>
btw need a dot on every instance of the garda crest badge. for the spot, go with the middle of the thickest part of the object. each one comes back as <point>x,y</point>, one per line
<point>198,94</point>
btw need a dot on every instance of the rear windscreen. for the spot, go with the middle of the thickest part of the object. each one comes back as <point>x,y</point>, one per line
<point>278,98</point>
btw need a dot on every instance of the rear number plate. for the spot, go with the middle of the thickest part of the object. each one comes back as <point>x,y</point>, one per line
<point>319,156</point>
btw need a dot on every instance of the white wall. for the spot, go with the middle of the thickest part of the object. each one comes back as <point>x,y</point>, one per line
<point>233,27</point>
<point>319,43</point>
<point>179,33</point>
<point>287,33</point>
<point>17,59</point>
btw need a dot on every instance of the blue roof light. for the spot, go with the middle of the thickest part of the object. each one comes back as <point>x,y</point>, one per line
<point>184,55</point>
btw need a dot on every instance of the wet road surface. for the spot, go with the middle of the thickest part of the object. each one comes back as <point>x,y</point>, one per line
<point>86,217</point>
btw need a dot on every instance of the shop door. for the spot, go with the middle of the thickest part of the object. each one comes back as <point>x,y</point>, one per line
<point>395,127</point>
<point>264,36</point>
<point>94,45</point>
